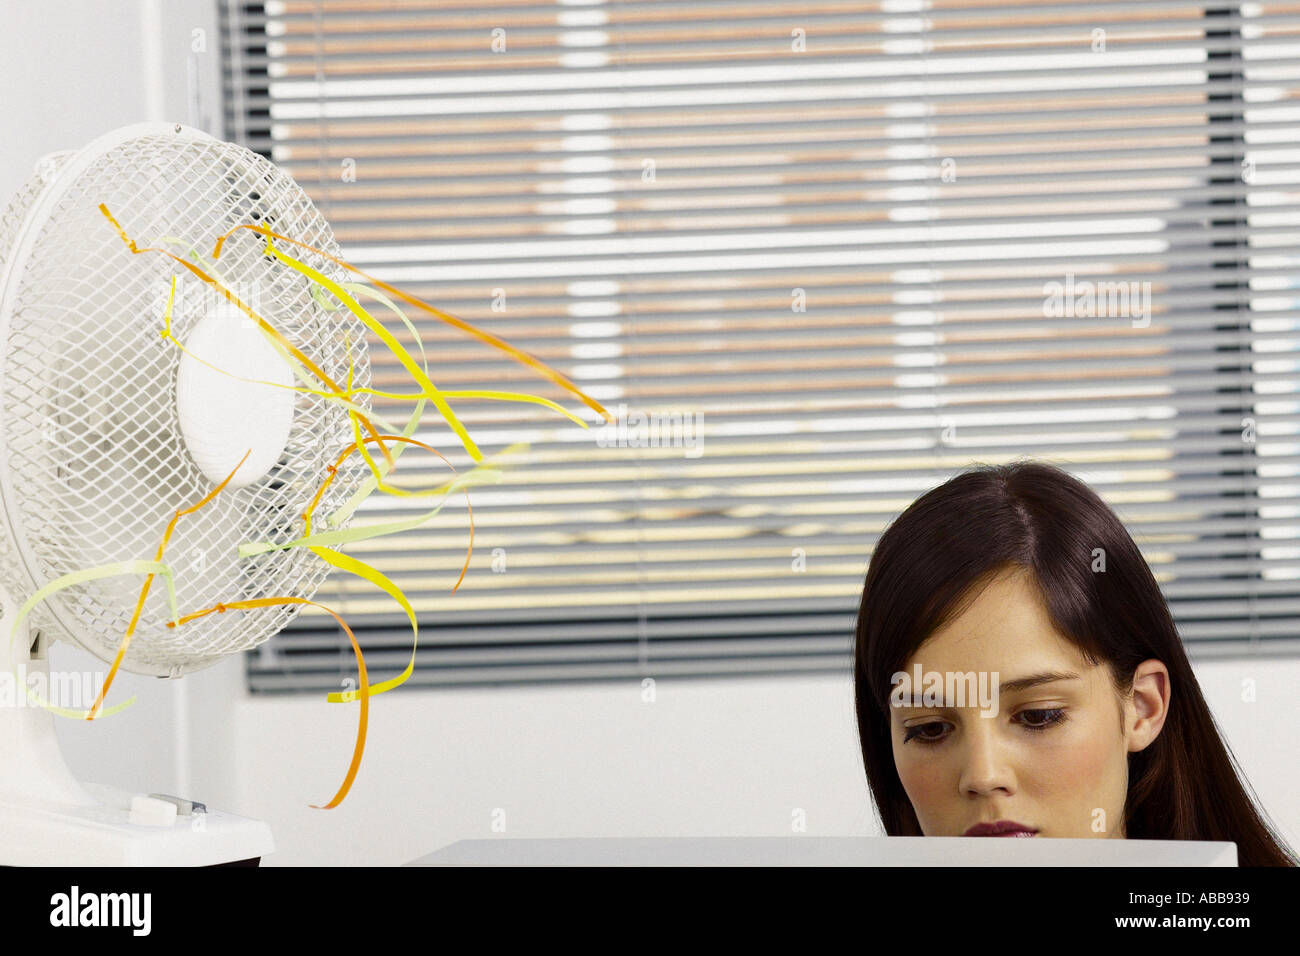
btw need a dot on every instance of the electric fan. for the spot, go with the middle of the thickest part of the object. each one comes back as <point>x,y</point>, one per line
<point>109,429</point>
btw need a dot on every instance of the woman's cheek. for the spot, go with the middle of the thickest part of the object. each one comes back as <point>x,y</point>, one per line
<point>1059,762</point>
<point>1071,776</point>
<point>924,783</point>
<point>1104,759</point>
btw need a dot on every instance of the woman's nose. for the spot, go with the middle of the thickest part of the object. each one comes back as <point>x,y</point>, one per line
<point>986,763</point>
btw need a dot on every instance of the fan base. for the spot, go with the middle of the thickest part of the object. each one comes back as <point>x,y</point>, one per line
<point>102,834</point>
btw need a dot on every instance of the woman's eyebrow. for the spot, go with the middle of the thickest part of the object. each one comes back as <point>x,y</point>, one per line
<point>1033,680</point>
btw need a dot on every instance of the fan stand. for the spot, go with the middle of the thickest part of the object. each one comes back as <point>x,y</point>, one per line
<point>48,818</point>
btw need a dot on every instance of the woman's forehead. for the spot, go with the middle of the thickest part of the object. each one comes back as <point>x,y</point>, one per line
<point>1006,623</point>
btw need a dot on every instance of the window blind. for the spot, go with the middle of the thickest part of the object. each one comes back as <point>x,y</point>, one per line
<point>862,245</point>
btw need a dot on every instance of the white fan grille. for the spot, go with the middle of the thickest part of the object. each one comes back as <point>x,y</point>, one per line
<point>94,465</point>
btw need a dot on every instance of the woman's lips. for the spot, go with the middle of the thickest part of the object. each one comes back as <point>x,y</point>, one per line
<point>1003,828</point>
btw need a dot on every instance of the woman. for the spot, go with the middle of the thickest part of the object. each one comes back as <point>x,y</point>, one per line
<point>1017,585</point>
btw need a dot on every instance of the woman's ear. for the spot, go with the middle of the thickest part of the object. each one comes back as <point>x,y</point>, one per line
<point>1148,704</point>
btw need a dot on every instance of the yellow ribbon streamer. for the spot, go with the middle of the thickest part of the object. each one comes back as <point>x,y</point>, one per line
<point>375,576</point>
<point>73,578</point>
<point>388,339</point>
<point>378,473</point>
<point>339,537</point>
<point>379,579</point>
<point>446,317</point>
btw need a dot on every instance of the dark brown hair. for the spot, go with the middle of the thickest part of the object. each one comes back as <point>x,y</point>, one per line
<point>1186,784</point>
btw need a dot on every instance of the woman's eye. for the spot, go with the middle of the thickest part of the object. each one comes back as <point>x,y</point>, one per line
<point>926,733</point>
<point>1041,718</point>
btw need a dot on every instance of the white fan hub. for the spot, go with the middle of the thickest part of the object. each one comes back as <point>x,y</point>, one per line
<point>222,416</point>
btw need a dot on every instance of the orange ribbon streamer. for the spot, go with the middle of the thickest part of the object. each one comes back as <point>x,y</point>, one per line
<point>148,582</point>
<point>364,718</point>
<point>520,356</point>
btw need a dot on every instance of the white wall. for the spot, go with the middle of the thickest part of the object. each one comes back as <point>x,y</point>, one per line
<point>725,757</point>
<point>71,71</point>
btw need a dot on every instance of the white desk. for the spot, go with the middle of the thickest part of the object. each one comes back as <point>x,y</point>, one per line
<point>828,851</point>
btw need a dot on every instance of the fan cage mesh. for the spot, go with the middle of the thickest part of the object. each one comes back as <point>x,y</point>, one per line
<point>92,460</point>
